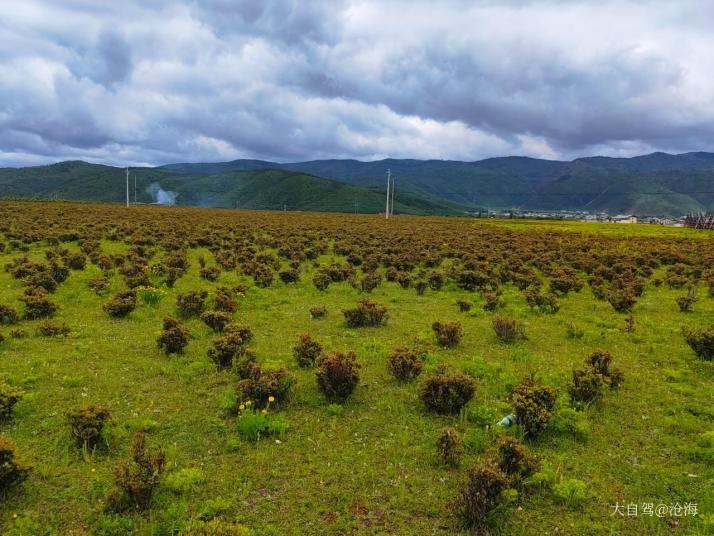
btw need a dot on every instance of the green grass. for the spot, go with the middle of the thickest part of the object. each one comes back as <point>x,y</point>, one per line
<point>371,467</point>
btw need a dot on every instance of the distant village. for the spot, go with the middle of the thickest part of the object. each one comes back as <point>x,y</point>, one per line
<point>697,221</point>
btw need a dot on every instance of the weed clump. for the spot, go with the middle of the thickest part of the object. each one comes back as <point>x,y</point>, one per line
<point>448,334</point>
<point>337,375</point>
<point>121,305</point>
<point>86,425</point>
<point>174,337</point>
<point>37,304</point>
<point>306,351</point>
<point>8,315</point>
<point>318,312</point>
<point>450,447</point>
<point>136,479</point>
<point>514,459</point>
<point>366,314</point>
<point>405,364</point>
<point>687,301</point>
<point>447,393</point>
<point>53,329</point>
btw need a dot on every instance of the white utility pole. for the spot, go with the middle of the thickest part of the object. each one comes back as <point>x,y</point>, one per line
<point>389,178</point>
<point>127,187</point>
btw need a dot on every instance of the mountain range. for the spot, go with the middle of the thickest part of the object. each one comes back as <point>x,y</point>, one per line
<point>657,184</point>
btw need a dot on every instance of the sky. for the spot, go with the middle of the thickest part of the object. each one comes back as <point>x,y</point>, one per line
<point>149,82</point>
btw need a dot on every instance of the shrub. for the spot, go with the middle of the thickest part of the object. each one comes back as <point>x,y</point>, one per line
<point>37,304</point>
<point>318,312</point>
<point>9,396</point>
<point>366,314</point>
<point>53,329</point>
<point>210,274</point>
<point>18,334</point>
<point>76,261</point>
<point>224,300</point>
<point>405,364</point>
<point>585,386</point>
<point>306,351</point>
<point>43,280</point>
<point>321,281</point>
<point>447,393</point>
<point>121,305</point>
<point>289,276</point>
<point>11,470</point>
<point>136,479</point>
<point>546,303</point>
<point>687,301</point>
<point>464,306</point>
<point>263,276</point>
<point>174,338</point>
<point>448,334</point>
<point>242,330</point>
<point>86,425</point>
<point>622,301</point>
<point>369,282</point>
<point>450,447</point>
<point>8,315</point>
<point>191,303</point>
<point>481,495</point>
<point>507,329</point>
<point>514,459</point>
<point>337,375</point>
<point>225,349</point>
<point>600,361</point>
<point>492,301</point>
<point>262,385</point>
<point>532,404</point>
<point>701,341</point>
<point>98,284</point>
<point>216,320</point>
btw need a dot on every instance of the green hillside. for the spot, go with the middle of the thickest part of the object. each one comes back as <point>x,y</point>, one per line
<point>260,189</point>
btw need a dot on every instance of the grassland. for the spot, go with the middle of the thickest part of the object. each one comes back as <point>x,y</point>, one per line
<point>371,467</point>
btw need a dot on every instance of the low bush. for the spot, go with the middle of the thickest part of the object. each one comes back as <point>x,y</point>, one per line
<point>216,320</point>
<point>76,261</point>
<point>12,471</point>
<point>8,315</point>
<point>174,337</point>
<point>492,301</point>
<point>701,341</point>
<point>337,375</point>
<point>86,425</point>
<point>481,495</point>
<point>366,314</point>
<point>318,312</point>
<point>121,305</point>
<point>321,281</point>
<point>136,479</point>
<point>450,447</point>
<point>514,459</point>
<point>508,330</point>
<point>264,386</point>
<point>37,304</point>
<point>224,299</point>
<point>226,348</point>
<point>687,301</point>
<point>448,334</point>
<point>289,276</point>
<point>53,329</point>
<point>622,301</point>
<point>192,303</point>
<point>585,386</point>
<point>210,273</point>
<point>405,364</point>
<point>533,405</point>
<point>546,303</point>
<point>464,306</point>
<point>306,350</point>
<point>9,396</point>
<point>447,393</point>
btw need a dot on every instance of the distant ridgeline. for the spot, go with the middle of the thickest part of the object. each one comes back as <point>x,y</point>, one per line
<point>700,221</point>
<point>657,184</point>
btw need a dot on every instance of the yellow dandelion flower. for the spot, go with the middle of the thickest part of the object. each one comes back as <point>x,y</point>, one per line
<point>264,411</point>
<point>248,403</point>
<point>241,407</point>
<point>271,399</point>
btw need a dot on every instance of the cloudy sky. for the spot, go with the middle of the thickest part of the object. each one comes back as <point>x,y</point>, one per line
<point>158,81</point>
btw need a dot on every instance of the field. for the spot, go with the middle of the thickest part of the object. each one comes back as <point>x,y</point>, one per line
<point>366,462</point>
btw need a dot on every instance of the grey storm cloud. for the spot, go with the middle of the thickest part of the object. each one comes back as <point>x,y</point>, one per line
<point>157,81</point>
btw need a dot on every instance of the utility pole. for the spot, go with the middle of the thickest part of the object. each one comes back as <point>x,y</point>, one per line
<point>127,187</point>
<point>389,178</point>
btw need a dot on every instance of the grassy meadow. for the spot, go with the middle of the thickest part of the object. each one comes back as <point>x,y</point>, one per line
<point>369,465</point>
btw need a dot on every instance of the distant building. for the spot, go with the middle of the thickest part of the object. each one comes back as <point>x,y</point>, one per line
<point>625,219</point>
